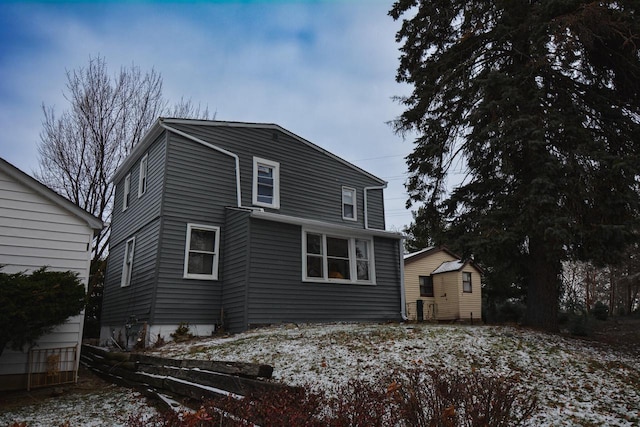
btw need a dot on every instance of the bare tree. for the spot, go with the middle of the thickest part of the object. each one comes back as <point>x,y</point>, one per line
<point>108,115</point>
<point>81,150</point>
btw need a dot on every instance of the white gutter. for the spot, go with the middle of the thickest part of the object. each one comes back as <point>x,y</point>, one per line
<point>213,147</point>
<point>366,216</point>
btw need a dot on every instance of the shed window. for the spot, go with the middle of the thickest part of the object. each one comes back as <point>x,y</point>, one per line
<point>329,258</point>
<point>266,183</point>
<point>201,252</point>
<point>426,286</point>
<point>142,176</point>
<point>127,192</point>
<point>127,265</point>
<point>466,281</point>
<point>349,203</point>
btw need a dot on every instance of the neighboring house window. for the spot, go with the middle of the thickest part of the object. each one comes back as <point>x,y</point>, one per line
<point>142,181</point>
<point>127,192</point>
<point>333,258</point>
<point>266,183</point>
<point>201,252</point>
<point>127,265</point>
<point>349,203</point>
<point>426,286</point>
<point>466,281</point>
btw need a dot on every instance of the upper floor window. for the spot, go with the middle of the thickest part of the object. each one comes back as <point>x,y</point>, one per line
<point>426,286</point>
<point>466,281</point>
<point>127,265</point>
<point>349,203</point>
<point>266,183</point>
<point>127,192</point>
<point>201,252</point>
<point>142,181</point>
<point>330,258</point>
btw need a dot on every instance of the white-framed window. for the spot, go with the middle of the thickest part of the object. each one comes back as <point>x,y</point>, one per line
<point>127,265</point>
<point>142,176</point>
<point>266,183</point>
<point>201,252</point>
<point>349,204</point>
<point>127,192</point>
<point>466,282</point>
<point>332,258</point>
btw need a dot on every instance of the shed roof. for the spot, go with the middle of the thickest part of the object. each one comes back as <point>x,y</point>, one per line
<point>449,266</point>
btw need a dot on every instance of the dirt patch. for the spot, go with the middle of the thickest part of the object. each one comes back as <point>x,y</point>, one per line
<point>88,382</point>
<point>620,333</point>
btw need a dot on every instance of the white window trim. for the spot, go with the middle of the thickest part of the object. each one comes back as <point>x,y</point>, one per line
<point>127,272</point>
<point>352,259</point>
<point>355,203</point>
<point>276,182</point>
<point>216,255</point>
<point>127,192</point>
<point>143,175</point>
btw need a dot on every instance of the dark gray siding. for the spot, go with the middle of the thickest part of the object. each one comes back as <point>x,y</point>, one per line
<point>146,208</point>
<point>235,258</point>
<point>375,200</point>
<point>310,180</point>
<point>134,300</point>
<point>277,293</point>
<point>178,299</point>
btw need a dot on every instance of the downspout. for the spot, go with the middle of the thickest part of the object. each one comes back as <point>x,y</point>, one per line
<point>403,301</point>
<point>366,213</point>
<point>213,147</point>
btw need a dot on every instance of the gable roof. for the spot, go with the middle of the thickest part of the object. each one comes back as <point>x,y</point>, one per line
<point>157,128</point>
<point>41,189</point>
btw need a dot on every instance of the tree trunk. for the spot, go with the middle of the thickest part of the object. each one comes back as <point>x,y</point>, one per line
<point>543,287</point>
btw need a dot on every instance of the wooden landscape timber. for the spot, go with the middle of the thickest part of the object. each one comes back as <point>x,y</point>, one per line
<point>193,379</point>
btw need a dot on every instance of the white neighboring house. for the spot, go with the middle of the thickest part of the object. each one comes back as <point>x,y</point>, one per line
<point>40,228</point>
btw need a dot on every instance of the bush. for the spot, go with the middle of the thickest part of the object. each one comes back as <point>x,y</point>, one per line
<point>33,304</point>
<point>600,311</point>
<point>416,397</point>
<point>580,325</point>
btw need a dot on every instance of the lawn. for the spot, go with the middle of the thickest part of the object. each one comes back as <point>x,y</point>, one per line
<point>578,382</point>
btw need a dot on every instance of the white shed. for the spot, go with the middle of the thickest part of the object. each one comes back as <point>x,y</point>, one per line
<point>38,227</point>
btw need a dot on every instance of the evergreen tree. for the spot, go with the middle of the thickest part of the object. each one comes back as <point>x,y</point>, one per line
<point>539,100</point>
<point>34,304</point>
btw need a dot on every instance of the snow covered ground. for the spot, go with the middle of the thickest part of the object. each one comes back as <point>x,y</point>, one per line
<point>578,382</point>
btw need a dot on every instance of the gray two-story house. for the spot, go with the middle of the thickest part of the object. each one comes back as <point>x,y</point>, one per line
<point>233,225</point>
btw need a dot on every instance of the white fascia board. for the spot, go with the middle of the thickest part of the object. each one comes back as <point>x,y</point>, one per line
<point>321,225</point>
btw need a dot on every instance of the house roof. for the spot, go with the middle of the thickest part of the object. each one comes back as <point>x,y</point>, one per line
<point>418,255</point>
<point>41,189</point>
<point>157,129</point>
<point>321,225</point>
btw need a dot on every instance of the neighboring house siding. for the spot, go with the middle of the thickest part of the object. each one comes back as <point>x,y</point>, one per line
<point>447,288</point>
<point>120,303</point>
<point>310,181</point>
<point>236,254</point>
<point>145,209</point>
<point>35,232</point>
<point>471,303</point>
<point>277,294</point>
<point>412,272</point>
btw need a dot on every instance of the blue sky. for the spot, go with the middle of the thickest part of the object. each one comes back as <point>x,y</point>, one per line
<point>325,70</point>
